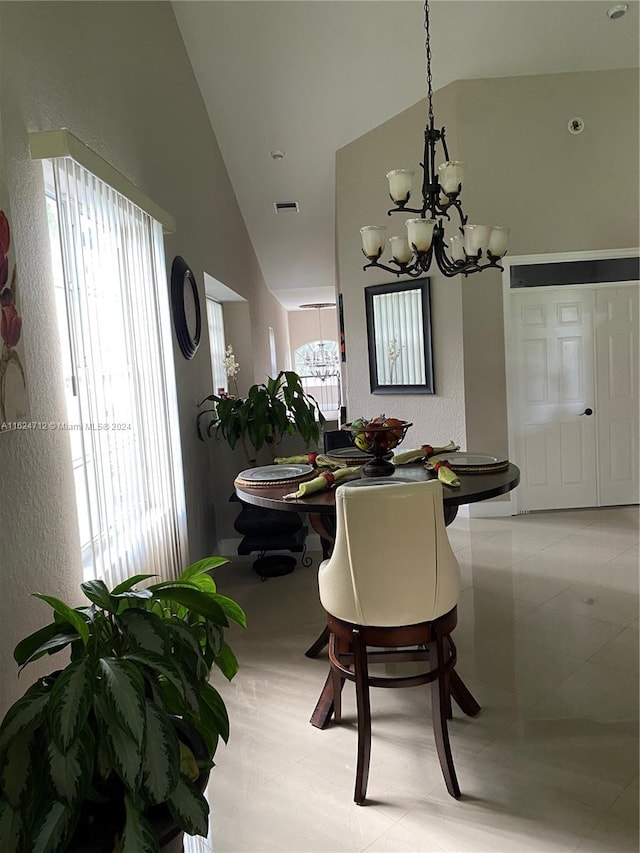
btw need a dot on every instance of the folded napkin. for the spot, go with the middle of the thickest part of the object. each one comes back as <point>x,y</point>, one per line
<point>446,475</point>
<point>421,453</point>
<point>323,461</point>
<point>303,459</point>
<point>323,481</point>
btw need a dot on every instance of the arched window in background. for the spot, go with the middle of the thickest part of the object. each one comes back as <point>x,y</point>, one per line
<point>318,365</point>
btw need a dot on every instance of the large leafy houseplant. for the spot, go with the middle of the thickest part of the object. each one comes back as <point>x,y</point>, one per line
<point>278,407</point>
<point>96,748</point>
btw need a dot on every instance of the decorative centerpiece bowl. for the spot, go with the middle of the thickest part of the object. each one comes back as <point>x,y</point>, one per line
<point>377,437</point>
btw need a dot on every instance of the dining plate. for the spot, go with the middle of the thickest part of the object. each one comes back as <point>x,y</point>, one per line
<point>273,473</point>
<point>470,462</point>
<point>348,453</point>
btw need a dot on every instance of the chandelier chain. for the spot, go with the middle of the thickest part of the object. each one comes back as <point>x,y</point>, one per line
<point>427,45</point>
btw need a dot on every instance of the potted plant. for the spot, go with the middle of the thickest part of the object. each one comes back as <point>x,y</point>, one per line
<point>278,407</point>
<point>101,753</point>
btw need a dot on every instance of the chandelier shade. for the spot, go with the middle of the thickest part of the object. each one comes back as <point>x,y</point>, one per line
<point>473,249</point>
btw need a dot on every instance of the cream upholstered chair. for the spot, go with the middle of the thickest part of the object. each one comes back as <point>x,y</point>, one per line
<point>390,590</point>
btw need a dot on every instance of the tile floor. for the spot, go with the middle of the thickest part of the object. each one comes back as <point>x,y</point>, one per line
<point>548,643</point>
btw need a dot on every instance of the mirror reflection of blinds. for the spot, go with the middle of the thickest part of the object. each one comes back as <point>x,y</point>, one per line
<point>131,502</point>
<point>399,333</point>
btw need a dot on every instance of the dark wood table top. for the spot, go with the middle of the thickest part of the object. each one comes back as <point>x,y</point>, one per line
<point>473,488</point>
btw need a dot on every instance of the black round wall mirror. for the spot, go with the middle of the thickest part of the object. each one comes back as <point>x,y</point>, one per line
<point>185,307</point>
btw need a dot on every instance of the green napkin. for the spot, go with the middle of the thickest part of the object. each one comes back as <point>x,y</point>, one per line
<point>421,453</point>
<point>302,459</point>
<point>446,475</point>
<point>324,481</point>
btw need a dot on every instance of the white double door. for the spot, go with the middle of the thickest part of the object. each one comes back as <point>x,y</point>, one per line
<point>574,400</point>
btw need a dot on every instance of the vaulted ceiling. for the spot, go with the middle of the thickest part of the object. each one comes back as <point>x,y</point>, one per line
<point>306,77</point>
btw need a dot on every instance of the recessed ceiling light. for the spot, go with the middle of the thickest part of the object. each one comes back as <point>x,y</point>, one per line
<point>278,155</point>
<point>617,11</point>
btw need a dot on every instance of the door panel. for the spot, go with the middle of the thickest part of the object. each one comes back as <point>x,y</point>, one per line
<point>617,361</point>
<point>553,334</point>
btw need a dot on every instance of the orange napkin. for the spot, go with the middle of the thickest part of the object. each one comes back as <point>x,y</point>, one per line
<point>323,481</point>
<point>446,475</point>
<point>422,452</point>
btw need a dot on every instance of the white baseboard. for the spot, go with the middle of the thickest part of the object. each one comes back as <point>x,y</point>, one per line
<point>229,547</point>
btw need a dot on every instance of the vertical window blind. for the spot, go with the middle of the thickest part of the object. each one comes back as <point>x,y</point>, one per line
<point>215,321</point>
<point>123,415</point>
<point>398,327</point>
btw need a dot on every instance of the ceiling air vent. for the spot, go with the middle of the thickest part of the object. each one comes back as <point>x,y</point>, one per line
<point>286,206</point>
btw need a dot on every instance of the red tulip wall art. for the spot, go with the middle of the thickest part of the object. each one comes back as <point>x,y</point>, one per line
<point>10,320</point>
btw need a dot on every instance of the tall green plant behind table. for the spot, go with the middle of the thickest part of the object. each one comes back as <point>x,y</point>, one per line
<point>98,745</point>
<point>278,407</point>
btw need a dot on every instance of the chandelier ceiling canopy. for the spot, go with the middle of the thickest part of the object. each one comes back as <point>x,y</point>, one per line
<point>475,248</point>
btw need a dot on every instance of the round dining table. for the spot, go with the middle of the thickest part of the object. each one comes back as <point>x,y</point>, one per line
<point>321,506</point>
<point>321,510</point>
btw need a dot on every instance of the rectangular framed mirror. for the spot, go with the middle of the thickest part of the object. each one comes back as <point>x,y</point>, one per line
<point>399,338</point>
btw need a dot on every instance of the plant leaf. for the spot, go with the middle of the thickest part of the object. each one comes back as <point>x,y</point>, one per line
<point>52,834</point>
<point>189,808</point>
<point>70,702</point>
<point>196,600</point>
<point>170,670</point>
<point>10,829</point>
<point>138,837</point>
<point>123,690</point>
<point>33,646</point>
<point>134,595</point>
<point>210,697</point>
<point>129,582</point>
<point>96,591</point>
<point>67,614</point>
<point>227,662</point>
<point>161,763</point>
<point>71,773</point>
<point>204,565</point>
<point>186,646</point>
<point>125,756</point>
<point>232,610</point>
<point>24,714</point>
<point>144,630</point>
<point>17,768</point>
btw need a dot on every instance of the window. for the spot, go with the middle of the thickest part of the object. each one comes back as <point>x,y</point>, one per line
<point>318,365</point>
<point>215,320</point>
<point>112,294</point>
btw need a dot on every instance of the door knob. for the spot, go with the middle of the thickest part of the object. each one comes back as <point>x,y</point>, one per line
<point>587,412</point>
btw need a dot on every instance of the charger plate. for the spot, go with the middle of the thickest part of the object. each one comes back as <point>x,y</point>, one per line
<point>267,476</point>
<point>470,463</point>
<point>353,456</point>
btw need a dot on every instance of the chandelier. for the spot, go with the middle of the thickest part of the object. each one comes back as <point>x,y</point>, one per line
<point>320,361</point>
<point>441,188</point>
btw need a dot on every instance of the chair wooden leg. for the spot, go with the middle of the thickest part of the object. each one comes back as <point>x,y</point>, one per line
<point>439,716</point>
<point>336,646</point>
<point>364,716</point>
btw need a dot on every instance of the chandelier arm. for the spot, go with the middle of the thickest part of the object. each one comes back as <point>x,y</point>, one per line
<point>406,269</point>
<point>403,209</point>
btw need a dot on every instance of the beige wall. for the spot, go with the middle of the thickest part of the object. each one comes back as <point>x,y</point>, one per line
<point>557,192</point>
<point>117,76</point>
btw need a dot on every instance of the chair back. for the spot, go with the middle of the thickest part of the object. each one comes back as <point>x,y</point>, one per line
<point>334,438</point>
<point>392,563</point>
